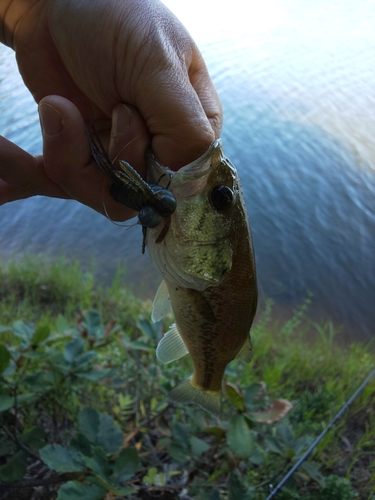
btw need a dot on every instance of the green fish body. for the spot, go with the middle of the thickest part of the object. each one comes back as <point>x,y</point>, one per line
<point>205,255</point>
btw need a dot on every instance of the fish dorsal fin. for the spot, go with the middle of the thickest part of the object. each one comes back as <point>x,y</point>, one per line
<point>171,346</point>
<point>162,303</point>
<point>188,393</point>
<point>246,351</point>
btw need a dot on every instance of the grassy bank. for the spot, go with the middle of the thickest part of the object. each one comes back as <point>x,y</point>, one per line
<point>84,412</point>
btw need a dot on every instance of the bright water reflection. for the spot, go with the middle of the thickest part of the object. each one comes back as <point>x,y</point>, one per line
<point>296,81</point>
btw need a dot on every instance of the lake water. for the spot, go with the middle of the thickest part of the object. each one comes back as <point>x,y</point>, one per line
<point>296,79</point>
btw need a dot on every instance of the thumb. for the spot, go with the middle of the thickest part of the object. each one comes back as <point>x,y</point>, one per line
<point>67,158</point>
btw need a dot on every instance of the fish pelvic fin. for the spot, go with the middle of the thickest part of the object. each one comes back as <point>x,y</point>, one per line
<point>161,304</point>
<point>188,393</point>
<point>246,351</point>
<point>171,346</point>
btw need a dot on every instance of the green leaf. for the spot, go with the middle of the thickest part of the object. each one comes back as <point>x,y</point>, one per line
<point>236,489</point>
<point>28,397</point>
<point>40,381</point>
<point>257,457</point>
<point>138,345</point>
<point>302,444</point>
<point>255,393</point>
<point>214,495</point>
<point>239,437</point>
<point>59,459</point>
<point>6,402</point>
<point>4,357</point>
<point>285,432</point>
<point>24,331</point>
<point>40,335</point>
<point>181,435</point>
<point>88,422</point>
<point>80,443</point>
<point>234,396</point>
<point>153,331</point>
<point>15,468</point>
<point>59,364</point>
<point>126,464</point>
<point>34,438</point>
<point>178,453</point>
<point>198,446</point>
<point>78,491</point>
<point>149,478</point>
<point>4,328</point>
<point>275,445</point>
<point>73,349</point>
<point>98,463</point>
<point>95,375</point>
<point>85,358</point>
<point>41,355</point>
<point>62,325</point>
<point>124,492</point>
<point>7,447</point>
<point>110,436</point>
<point>312,469</point>
<point>92,324</point>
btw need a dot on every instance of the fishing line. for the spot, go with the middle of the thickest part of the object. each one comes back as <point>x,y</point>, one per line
<point>321,436</point>
<point>127,226</point>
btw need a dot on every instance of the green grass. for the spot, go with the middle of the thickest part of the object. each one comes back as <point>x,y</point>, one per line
<point>37,290</point>
<point>311,371</point>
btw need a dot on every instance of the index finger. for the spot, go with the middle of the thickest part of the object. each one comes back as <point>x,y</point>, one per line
<point>183,113</point>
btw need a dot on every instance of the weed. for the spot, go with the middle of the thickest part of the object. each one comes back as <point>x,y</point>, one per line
<point>83,402</point>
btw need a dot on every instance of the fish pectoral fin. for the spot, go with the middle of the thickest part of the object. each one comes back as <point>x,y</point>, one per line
<point>171,346</point>
<point>188,393</point>
<point>246,351</point>
<point>162,303</point>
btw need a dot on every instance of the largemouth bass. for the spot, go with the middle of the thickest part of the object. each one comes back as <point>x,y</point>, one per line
<point>198,236</point>
<point>204,253</point>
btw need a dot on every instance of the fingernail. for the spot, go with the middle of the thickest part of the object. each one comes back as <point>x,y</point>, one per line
<point>121,119</point>
<point>51,121</point>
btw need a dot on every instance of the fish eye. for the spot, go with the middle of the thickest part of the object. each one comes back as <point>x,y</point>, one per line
<point>222,197</point>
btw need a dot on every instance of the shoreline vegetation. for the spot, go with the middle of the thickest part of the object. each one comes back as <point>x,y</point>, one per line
<point>84,410</point>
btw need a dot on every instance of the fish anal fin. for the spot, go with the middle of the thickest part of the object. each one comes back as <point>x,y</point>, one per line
<point>245,353</point>
<point>162,303</point>
<point>171,347</point>
<point>188,393</point>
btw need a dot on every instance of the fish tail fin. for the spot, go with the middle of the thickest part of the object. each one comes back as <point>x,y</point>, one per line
<point>188,393</point>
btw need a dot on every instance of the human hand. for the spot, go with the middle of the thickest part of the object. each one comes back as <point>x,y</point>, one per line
<point>130,68</point>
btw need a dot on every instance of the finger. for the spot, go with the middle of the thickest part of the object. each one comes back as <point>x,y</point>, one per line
<point>180,129</point>
<point>129,137</point>
<point>67,158</point>
<point>206,92</point>
<point>175,95</point>
<point>22,175</point>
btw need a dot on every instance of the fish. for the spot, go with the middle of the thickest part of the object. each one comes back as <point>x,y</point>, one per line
<point>204,253</point>
<point>197,232</point>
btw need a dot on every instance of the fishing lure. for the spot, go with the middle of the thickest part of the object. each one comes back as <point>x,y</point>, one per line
<point>152,201</point>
